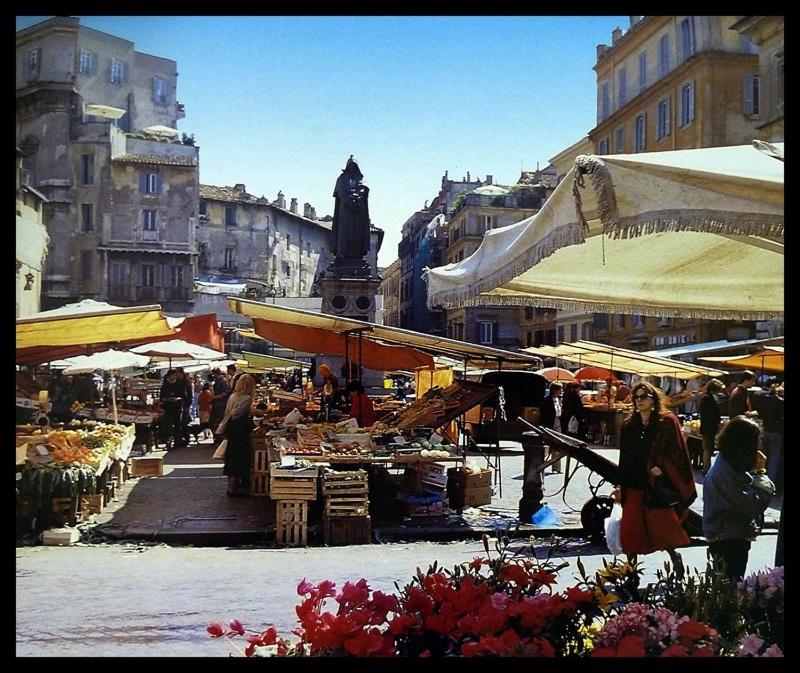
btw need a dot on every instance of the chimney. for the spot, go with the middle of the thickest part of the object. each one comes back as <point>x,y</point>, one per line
<point>312,213</point>
<point>634,20</point>
<point>615,35</point>
<point>239,188</point>
<point>489,179</point>
<point>293,206</point>
<point>280,201</point>
<point>307,210</point>
<point>468,176</point>
<point>601,49</point>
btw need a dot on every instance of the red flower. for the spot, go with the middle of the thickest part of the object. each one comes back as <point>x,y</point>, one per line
<point>604,652</point>
<point>515,573</point>
<point>704,651</point>
<point>418,601</point>
<point>693,630</point>
<point>326,588</point>
<point>353,595</point>
<point>250,650</point>
<point>365,643</point>
<point>237,627</point>
<point>577,595</point>
<point>443,623</point>
<point>631,646</point>
<point>381,605</point>
<point>400,624</point>
<point>215,630</point>
<point>675,650</point>
<point>543,578</point>
<point>476,563</point>
<point>304,588</point>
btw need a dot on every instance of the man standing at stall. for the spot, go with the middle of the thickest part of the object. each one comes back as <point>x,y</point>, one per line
<point>739,402</point>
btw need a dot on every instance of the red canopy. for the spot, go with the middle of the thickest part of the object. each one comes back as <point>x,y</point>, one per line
<point>594,374</point>
<point>373,355</point>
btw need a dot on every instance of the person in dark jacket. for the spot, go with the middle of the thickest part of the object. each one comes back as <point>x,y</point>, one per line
<point>652,447</point>
<point>739,401</point>
<point>769,407</point>
<point>736,492</point>
<point>172,396</point>
<point>572,405</point>
<point>550,417</point>
<point>709,420</point>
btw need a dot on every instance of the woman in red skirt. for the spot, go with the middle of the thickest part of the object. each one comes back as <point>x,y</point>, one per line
<point>652,447</point>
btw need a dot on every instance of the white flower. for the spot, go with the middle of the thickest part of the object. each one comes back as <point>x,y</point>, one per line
<point>265,651</point>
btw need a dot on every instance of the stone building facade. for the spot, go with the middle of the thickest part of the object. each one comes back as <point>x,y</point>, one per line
<point>122,203</point>
<point>671,83</point>
<point>390,290</point>
<point>31,244</point>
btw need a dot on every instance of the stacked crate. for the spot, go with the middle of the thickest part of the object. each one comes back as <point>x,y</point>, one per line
<point>259,472</point>
<point>469,489</point>
<point>292,489</point>
<point>346,517</point>
<point>430,498</point>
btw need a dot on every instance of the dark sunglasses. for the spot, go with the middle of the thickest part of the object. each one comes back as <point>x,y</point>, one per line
<point>643,396</point>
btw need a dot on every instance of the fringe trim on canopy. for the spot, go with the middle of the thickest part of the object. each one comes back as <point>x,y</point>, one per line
<point>588,307</point>
<point>570,234</point>
<point>712,222</point>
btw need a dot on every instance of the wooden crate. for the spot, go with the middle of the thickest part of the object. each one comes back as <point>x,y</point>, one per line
<point>260,460</point>
<point>345,483</point>
<point>91,504</point>
<point>477,496</point>
<point>286,484</point>
<point>291,527</point>
<point>147,467</point>
<point>259,483</point>
<point>65,511</point>
<point>337,507</point>
<point>347,530</point>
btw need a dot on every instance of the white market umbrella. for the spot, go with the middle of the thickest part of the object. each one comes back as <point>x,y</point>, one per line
<point>177,348</point>
<point>688,233</point>
<point>106,111</point>
<point>108,361</point>
<point>160,130</point>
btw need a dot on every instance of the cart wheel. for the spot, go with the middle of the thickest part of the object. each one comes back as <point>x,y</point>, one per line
<point>593,516</point>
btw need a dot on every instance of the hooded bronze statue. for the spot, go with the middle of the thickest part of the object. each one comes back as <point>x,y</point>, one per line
<point>351,223</point>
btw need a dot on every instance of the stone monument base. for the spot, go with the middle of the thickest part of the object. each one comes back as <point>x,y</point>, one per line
<point>351,298</point>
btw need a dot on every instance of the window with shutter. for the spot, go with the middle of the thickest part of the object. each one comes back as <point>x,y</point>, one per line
<point>640,137</point>
<point>230,215</point>
<point>619,143</point>
<point>662,119</point>
<point>622,93</point>
<point>560,332</point>
<point>751,95</point>
<point>573,332</point>
<point>87,169</point>
<point>151,183</point>
<point>159,90</point>
<point>117,71</point>
<point>687,104</point>
<point>663,55</point>
<point>87,217</point>
<point>149,220</point>
<point>605,101</point>
<point>148,275</point>
<point>34,61</point>
<point>85,62</point>
<point>642,71</point>
<point>687,37</point>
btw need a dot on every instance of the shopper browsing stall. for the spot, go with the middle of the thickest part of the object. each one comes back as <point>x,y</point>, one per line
<point>361,407</point>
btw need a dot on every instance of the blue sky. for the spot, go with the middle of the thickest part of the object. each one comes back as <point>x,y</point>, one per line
<point>280,103</point>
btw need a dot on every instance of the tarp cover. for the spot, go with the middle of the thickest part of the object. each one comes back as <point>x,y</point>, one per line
<point>690,233</point>
<point>88,323</point>
<point>109,360</point>
<point>624,360</point>
<point>371,354</point>
<point>769,360</point>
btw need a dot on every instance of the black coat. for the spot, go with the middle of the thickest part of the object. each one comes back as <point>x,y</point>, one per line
<point>709,415</point>
<point>547,412</point>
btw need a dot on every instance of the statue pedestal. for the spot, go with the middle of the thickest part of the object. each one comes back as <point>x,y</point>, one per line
<point>351,298</point>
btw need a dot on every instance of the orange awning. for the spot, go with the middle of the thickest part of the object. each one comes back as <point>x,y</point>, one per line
<point>374,355</point>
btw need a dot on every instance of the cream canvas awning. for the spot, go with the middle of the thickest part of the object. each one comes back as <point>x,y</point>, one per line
<point>689,233</point>
<point>475,353</point>
<point>624,360</point>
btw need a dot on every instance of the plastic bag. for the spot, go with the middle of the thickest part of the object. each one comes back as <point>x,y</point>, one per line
<point>219,454</point>
<point>292,418</point>
<point>613,527</point>
<point>544,516</point>
<point>573,426</point>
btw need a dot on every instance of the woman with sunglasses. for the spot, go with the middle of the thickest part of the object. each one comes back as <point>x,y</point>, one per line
<point>652,447</point>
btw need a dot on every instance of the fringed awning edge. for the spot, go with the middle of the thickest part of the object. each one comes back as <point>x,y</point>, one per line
<point>767,225</point>
<point>565,235</point>
<point>611,308</point>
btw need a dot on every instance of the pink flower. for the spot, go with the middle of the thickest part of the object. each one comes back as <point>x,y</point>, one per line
<point>750,645</point>
<point>304,588</point>
<point>237,627</point>
<point>773,651</point>
<point>215,630</point>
